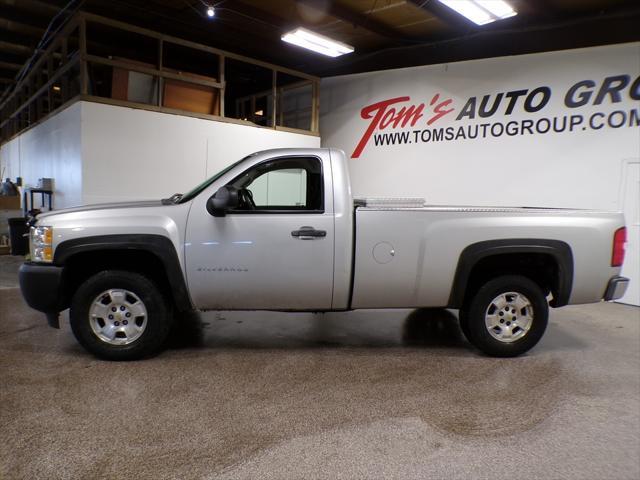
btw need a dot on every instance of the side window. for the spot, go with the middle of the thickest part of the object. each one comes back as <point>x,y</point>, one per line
<point>286,184</point>
<point>286,187</point>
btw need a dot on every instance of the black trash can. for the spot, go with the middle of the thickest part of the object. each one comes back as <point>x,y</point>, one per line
<point>17,233</point>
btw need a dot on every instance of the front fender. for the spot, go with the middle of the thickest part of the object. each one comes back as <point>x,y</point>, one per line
<point>161,247</point>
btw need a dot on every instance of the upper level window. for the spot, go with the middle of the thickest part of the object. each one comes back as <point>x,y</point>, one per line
<point>285,184</point>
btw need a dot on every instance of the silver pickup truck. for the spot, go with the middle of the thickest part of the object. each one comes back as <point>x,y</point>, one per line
<point>279,230</point>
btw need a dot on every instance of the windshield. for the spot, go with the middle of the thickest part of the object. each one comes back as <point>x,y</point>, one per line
<point>196,191</point>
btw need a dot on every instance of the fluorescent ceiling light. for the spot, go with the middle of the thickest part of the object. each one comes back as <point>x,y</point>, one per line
<point>318,43</point>
<point>481,12</point>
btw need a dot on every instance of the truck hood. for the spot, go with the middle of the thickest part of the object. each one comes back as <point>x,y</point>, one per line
<point>102,206</point>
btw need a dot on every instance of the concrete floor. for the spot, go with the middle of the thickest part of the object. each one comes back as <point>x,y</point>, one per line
<point>370,394</point>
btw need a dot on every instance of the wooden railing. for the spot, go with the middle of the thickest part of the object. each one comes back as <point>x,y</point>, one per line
<point>61,76</point>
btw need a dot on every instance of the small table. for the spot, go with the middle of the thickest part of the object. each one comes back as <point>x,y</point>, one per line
<point>43,192</point>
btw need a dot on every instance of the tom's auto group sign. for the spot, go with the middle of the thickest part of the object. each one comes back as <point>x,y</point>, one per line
<point>402,120</point>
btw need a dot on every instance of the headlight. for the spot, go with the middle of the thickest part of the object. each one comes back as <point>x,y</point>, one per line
<point>41,244</point>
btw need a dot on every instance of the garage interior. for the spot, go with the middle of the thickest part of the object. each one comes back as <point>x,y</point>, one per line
<point>395,393</point>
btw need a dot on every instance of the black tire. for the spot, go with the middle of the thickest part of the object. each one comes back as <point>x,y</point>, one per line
<point>479,334</point>
<point>157,321</point>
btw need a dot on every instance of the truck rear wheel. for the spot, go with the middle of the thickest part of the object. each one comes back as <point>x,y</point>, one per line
<point>507,316</point>
<point>120,315</point>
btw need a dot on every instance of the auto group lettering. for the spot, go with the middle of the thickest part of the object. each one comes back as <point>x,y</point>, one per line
<point>402,120</point>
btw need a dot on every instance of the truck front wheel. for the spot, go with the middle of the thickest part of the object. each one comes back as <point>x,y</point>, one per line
<point>507,316</point>
<point>120,315</point>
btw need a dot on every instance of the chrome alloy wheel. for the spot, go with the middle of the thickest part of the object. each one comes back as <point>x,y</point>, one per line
<point>118,317</point>
<point>509,317</point>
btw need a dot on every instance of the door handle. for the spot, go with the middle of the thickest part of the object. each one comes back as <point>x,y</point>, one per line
<point>308,233</point>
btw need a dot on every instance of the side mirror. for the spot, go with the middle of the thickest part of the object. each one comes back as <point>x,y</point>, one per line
<point>225,198</point>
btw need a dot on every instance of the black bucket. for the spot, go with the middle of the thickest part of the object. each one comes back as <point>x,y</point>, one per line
<point>18,231</point>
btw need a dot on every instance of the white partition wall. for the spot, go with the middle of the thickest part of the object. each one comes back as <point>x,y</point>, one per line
<point>131,153</point>
<point>559,129</point>
<point>51,149</point>
<point>102,153</point>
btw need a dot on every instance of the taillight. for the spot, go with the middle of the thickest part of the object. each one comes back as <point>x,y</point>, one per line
<point>617,257</point>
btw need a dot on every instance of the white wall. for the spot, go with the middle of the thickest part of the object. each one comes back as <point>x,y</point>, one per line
<point>577,169</point>
<point>132,154</point>
<point>51,149</point>
<point>101,153</point>
<point>583,167</point>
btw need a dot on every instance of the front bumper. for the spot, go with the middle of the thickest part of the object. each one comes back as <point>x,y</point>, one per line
<point>616,288</point>
<point>40,287</point>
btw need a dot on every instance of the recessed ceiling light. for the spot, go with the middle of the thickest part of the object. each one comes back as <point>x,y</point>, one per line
<point>481,12</point>
<point>211,12</point>
<point>318,43</point>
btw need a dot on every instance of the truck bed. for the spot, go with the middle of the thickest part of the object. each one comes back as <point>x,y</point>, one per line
<point>406,256</point>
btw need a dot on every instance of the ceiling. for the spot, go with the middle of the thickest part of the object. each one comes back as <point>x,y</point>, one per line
<point>385,33</point>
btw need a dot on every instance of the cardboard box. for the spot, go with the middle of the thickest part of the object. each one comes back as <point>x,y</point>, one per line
<point>9,202</point>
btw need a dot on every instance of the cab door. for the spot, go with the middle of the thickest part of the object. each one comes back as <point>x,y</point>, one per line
<point>274,251</point>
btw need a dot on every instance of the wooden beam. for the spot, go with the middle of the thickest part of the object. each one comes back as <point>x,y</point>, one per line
<point>23,28</point>
<point>543,10</point>
<point>315,107</point>
<point>35,93</point>
<point>54,44</point>
<point>620,26</point>
<point>221,79</point>
<point>246,10</point>
<point>10,65</point>
<point>50,6</point>
<point>84,71</point>
<point>13,58</point>
<point>18,38</point>
<point>7,73</point>
<point>64,56</point>
<point>274,99</point>
<point>356,19</point>
<point>15,48</point>
<point>229,31</point>
<point>456,22</point>
<point>189,44</point>
<point>34,18</point>
<point>159,65</point>
<point>185,77</point>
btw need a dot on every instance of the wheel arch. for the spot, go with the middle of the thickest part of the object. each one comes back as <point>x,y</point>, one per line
<point>154,255</point>
<point>542,260</point>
